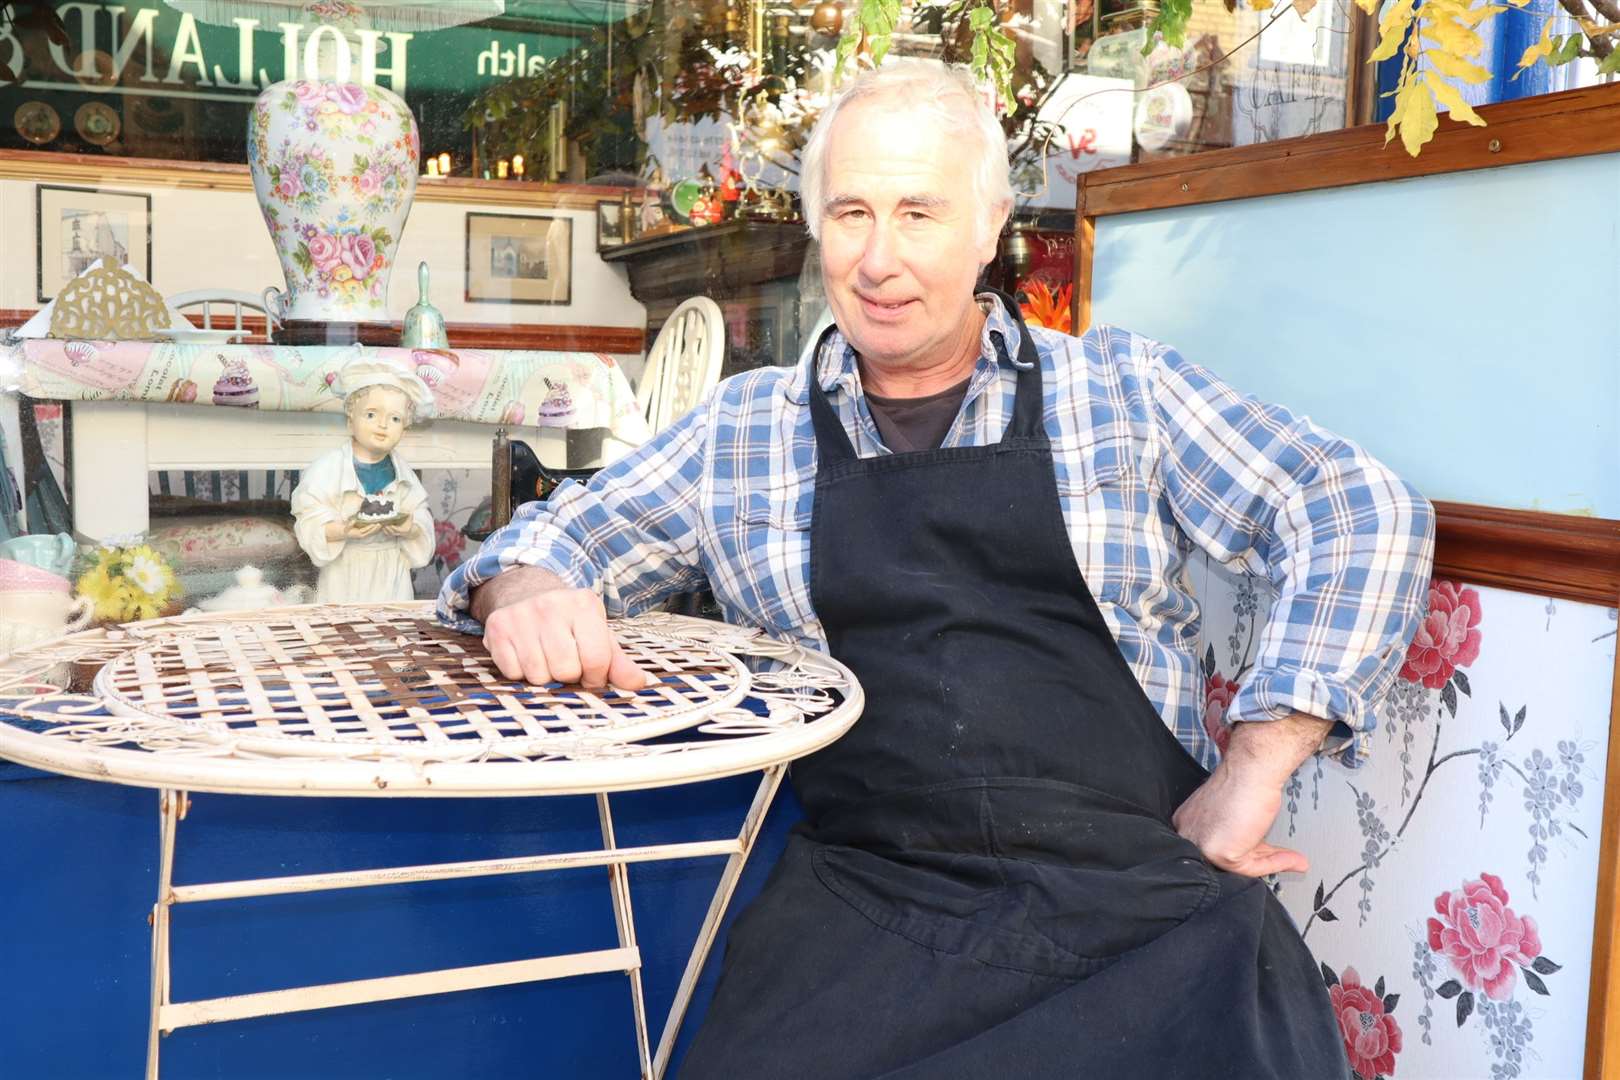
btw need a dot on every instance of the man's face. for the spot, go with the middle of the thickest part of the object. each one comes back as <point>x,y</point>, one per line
<point>377,422</point>
<point>899,256</point>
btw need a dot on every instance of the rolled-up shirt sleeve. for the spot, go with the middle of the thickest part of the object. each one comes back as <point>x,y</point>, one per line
<point>1347,545</point>
<point>631,533</point>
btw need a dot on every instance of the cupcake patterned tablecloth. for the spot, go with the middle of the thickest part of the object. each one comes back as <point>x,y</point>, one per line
<point>545,389</point>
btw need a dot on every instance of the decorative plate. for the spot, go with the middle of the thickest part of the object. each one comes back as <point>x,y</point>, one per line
<point>97,123</point>
<point>102,72</point>
<point>1163,114</point>
<point>683,196</point>
<point>37,122</point>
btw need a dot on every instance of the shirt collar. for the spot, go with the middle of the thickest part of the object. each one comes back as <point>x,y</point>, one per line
<point>836,367</point>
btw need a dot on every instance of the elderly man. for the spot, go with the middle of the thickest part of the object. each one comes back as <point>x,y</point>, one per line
<point>1015,863</point>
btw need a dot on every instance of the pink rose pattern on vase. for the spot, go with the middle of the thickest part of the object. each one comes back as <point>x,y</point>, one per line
<point>1371,1036</point>
<point>335,168</point>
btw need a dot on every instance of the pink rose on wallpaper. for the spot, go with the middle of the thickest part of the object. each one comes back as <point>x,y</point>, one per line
<point>348,97</point>
<point>357,251</point>
<point>324,252</point>
<point>290,187</point>
<point>1218,694</point>
<point>369,182</point>
<point>1371,1036</point>
<point>448,542</point>
<point>1482,937</point>
<point>1448,637</point>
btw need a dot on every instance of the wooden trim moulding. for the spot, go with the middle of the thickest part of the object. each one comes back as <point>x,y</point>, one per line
<point>148,174</point>
<point>1563,556</point>
<point>1574,123</point>
<point>541,337</point>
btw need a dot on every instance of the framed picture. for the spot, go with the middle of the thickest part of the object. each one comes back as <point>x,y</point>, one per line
<point>76,226</point>
<point>519,259</point>
<point>610,224</point>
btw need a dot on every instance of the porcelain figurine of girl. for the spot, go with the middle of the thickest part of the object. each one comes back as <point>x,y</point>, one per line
<point>361,514</point>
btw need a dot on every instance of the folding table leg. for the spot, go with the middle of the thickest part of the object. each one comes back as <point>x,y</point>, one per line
<point>171,808</point>
<point>619,881</point>
<point>717,907</point>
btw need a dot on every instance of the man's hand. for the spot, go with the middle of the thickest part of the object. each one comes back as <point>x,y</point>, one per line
<point>1229,815</point>
<point>540,629</point>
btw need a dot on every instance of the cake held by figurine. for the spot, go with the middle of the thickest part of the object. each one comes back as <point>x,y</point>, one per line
<point>361,513</point>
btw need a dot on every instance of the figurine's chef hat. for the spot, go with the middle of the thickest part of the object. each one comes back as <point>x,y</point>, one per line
<point>364,371</point>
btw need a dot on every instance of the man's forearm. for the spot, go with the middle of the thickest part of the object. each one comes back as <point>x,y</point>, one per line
<point>510,586</point>
<point>1271,750</point>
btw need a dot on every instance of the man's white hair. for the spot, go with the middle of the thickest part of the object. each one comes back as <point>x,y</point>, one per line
<point>954,99</point>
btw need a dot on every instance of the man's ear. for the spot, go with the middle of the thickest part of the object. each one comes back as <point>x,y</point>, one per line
<point>998,222</point>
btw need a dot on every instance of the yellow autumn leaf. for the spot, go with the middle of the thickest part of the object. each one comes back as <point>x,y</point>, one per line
<point>1370,6</point>
<point>1457,68</point>
<point>1420,121</point>
<point>1475,16</point>
<point>1261,5</point>
<point>1539,51</point>
<point>1460,10</point>
<point>1398,111</point>
<point>1452,99</point>
<point>1453,37</point>
<point>1392,27</point>
<point>1303,7</point>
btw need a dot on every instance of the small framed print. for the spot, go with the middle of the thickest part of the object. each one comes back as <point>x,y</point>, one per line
<point>519,258</point>
<point>610,224</point>
<point>76,226</point>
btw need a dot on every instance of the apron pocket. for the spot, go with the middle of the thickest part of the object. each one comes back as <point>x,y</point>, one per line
<point>1127,880</point>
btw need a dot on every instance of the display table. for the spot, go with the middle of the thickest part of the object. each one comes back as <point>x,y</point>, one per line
<point>135,411</point>
<point>379,701</point>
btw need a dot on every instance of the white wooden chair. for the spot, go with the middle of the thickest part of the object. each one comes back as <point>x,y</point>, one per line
<point>238,301</point>
<point>684,362</point>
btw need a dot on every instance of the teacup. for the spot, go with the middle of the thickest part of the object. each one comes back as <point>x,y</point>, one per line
<point>47,609</point>
<point>28,616</point>
<point>23,577</point>
<point>50,552</point>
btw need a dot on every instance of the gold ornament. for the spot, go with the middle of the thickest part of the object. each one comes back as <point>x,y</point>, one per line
<point>108,304</point>
<point>827,18</point>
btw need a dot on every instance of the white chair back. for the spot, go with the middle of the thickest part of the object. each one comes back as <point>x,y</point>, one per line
<point>684,362</point>
<point>236,300</point>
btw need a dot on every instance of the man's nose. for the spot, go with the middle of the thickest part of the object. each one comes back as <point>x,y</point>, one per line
<point>880,259</point>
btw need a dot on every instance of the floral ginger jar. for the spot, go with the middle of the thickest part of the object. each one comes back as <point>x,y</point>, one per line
<point>334,165</point>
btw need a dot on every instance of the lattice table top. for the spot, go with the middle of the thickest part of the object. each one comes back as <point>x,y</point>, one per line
<point>380,699</point>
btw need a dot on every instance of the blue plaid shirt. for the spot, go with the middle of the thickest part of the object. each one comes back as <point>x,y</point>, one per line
<point>1153,456</point>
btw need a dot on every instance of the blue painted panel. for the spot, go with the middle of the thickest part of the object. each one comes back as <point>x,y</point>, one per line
<point>1460,327</point>
<point>79,865</point>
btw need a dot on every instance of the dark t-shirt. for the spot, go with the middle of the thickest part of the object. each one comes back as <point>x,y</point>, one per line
<point>917,423</point>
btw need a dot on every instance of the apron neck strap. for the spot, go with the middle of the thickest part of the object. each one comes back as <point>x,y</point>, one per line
<point>832,441</point>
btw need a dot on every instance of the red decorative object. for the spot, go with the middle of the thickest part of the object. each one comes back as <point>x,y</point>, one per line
<point>1218,694</point>
<point>1447,639</point>
<point>1371,1036</point>
<point>1482,937</point>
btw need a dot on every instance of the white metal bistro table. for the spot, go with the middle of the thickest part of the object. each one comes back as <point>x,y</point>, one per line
<point>380,701</point>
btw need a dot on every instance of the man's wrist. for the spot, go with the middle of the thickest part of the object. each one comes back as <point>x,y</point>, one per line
<point>1268,751</point>
<point>510,586</point>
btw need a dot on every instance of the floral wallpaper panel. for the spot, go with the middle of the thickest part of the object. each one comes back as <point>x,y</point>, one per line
<point>1453,877</point>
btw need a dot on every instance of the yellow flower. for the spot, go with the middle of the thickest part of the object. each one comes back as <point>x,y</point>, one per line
<point>129,583</point>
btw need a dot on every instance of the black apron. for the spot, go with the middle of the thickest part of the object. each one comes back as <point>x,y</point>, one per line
<point>987,883</point>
